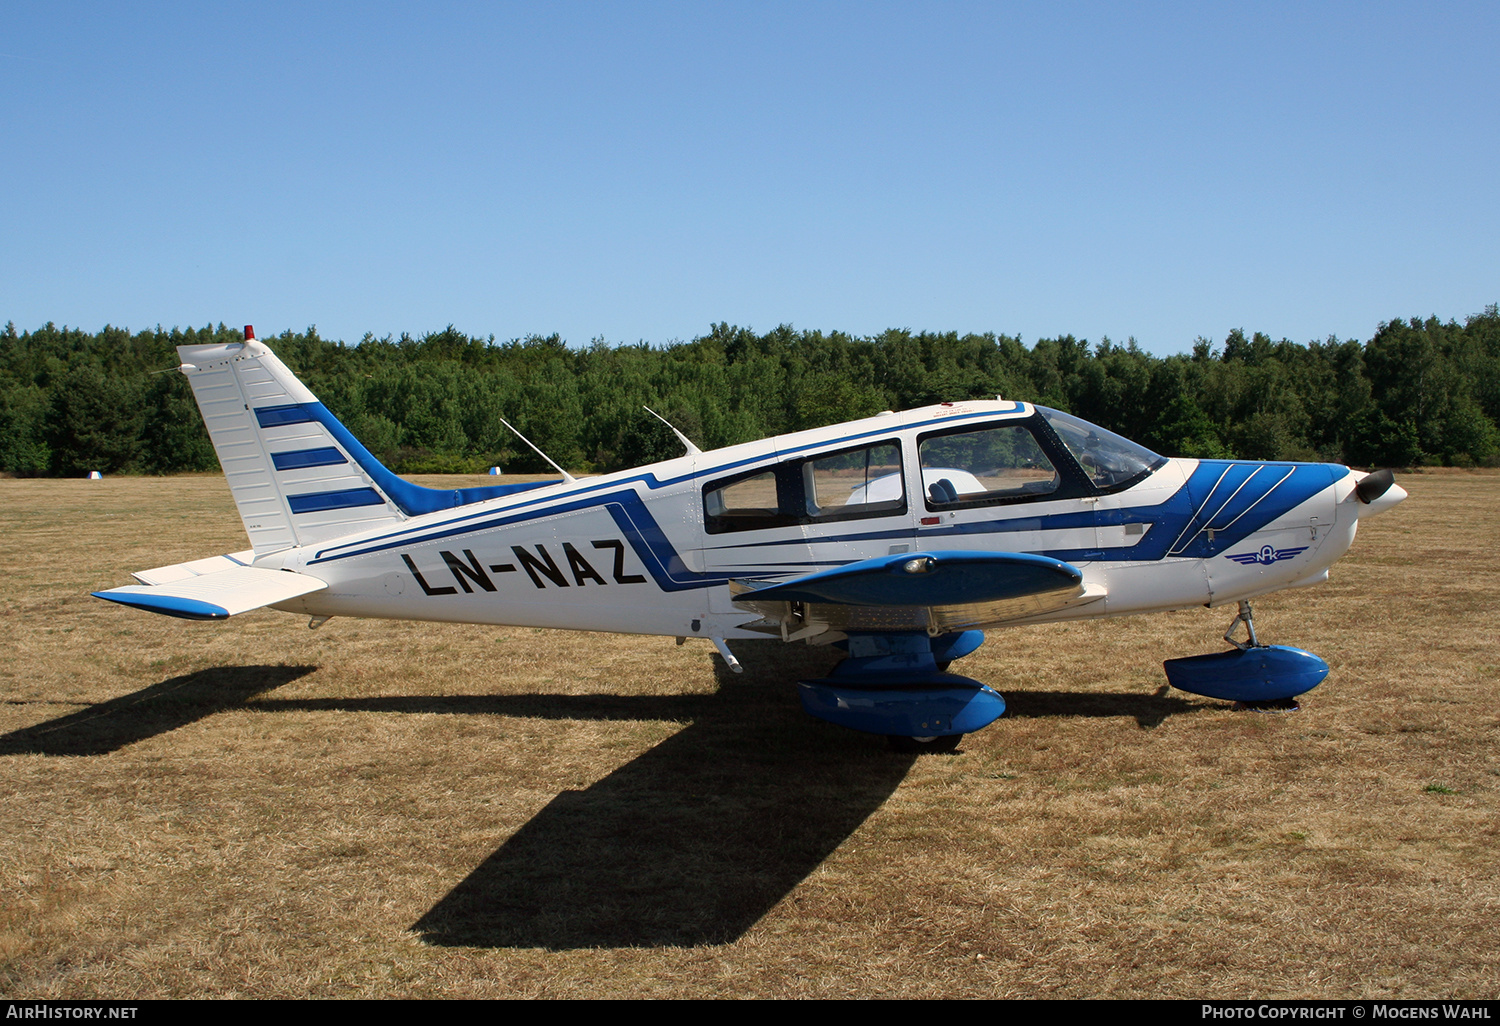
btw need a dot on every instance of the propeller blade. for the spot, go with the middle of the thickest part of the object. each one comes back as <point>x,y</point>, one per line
<point>1374,485</point>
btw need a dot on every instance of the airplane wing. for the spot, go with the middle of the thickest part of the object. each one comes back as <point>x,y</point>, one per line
<point>211,589</point>
<point>940,591</point>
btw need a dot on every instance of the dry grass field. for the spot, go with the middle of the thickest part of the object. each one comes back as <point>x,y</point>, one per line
<point>253,809</point>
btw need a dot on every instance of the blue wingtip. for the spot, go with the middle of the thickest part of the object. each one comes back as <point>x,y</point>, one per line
<point>167,605</point>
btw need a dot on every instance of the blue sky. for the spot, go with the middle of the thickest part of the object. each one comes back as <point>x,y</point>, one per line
<point>641,170</point>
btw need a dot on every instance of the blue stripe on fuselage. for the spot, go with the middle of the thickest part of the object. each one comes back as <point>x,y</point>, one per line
<point>1234,509</point>
<point>1241,498</point>
<point>1291,484</point>
<point>640,528</point>
<point>1234,498</point>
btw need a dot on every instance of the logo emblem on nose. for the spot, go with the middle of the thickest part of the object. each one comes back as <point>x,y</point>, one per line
<point>1267,555</point>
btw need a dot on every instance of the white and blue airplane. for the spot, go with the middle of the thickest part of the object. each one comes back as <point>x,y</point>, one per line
<point>898,538</point>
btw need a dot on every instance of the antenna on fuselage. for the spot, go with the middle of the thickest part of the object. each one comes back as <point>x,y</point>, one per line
<point>569,478</point>
<point>692,450</point>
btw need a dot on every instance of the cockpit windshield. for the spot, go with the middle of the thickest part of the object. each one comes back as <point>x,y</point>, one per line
<point>1106,457</point>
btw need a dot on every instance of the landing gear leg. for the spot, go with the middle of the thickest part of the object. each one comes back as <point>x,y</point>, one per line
<point>1247,617</point>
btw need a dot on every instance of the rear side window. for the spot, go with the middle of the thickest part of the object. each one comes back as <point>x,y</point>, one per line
<point>746,503</point>
<point>859,481</point>
<point>849,484</point>
<point>753,496</point>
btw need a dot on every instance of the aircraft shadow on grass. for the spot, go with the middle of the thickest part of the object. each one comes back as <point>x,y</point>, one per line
<point>696,840</point>
<point>1147,710</point>
<point>690,843</point>
<point>109,726</point>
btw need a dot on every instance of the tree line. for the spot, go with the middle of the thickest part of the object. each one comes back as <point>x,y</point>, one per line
<point>1416,393</point>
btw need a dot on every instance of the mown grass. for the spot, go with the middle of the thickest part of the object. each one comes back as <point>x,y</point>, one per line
<point>387,809</point>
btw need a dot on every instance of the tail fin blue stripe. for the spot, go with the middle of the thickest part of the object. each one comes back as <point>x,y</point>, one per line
<point>297,459</point>
<point>347,498</point>
<point>414,500</point>
<point>275,416</point>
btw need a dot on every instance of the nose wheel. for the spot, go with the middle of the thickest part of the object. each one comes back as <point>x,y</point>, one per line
<point>1267,678</point>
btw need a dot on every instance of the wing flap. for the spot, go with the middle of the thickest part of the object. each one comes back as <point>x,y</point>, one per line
<point>980,614</point>
<point>945,591</point>
<point>217,595</point>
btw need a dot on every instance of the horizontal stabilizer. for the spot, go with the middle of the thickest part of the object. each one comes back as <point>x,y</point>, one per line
<point>938,590</point>
<point>195,568</point>
<point>217,595</point>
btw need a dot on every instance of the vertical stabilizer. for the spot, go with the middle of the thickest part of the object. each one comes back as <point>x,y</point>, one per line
<point>297,475</point>
<point>291,481</point>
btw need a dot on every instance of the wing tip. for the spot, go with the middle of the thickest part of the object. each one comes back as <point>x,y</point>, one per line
<point>167,605</point>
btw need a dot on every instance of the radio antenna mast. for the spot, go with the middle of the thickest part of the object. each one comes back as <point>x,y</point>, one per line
<point>692,450</point>
<point>569,478</point>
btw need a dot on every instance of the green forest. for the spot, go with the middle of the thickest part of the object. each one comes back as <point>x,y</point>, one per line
<point>1416,393</point>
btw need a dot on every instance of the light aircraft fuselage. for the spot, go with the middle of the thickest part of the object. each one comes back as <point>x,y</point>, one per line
<point>898,537</point>
<point>637,551</point>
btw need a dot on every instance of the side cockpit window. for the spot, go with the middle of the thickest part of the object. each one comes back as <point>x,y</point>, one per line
<point>753,496</point>
<point>863,481</point>
<point>849,484</point>
<point>1003,463</point>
